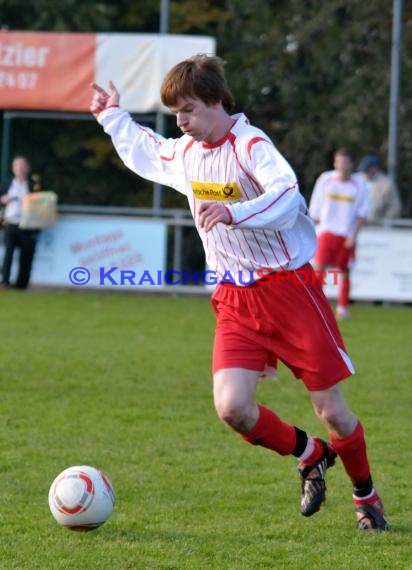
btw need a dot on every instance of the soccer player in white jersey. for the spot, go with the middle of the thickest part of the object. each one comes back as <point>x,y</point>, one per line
<point>255,226</point>
<point>339,207</point>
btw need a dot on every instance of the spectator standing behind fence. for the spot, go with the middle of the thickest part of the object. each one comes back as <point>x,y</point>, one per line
<point>339,207</point>
<point>14,237</point>
<point>384,201</point>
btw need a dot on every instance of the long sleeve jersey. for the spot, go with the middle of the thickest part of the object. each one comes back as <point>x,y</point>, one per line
<point>270,225</point>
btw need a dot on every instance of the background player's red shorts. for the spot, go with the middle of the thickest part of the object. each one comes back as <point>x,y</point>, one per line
<point>288,319</point>
<point>331,251</point>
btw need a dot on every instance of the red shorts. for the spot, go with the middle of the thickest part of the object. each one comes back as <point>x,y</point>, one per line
<point>284,316</point>
<point>331,251</point>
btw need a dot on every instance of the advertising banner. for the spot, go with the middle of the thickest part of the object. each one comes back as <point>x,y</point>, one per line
<point>53,71</point>
<point>109,252</point>
<point>382,270</point>
<point>123,253</point>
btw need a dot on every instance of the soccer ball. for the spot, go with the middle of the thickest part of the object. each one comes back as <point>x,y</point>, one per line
<point>81,498</point>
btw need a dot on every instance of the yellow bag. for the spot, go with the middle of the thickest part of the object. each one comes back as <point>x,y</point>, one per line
<point>39,210</point>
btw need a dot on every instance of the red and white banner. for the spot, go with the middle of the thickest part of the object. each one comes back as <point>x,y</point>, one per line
<point>53,71</point>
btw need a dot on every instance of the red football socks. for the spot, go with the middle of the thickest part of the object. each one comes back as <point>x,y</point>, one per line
<point>352,451</point>
<point>343,293</point>
<point>271,432</point>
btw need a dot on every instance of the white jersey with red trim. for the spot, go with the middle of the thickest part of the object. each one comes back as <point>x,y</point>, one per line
<point>338,204</point>
<point>270,223</point>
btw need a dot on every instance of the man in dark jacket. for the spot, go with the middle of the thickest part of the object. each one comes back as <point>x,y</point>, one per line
<point>15,237</point>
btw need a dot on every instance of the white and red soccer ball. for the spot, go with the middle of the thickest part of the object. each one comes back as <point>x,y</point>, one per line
<point>81,498</point>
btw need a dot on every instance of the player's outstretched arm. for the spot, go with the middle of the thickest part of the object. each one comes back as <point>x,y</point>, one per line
<point>141,149</point>
<point>101,99</point>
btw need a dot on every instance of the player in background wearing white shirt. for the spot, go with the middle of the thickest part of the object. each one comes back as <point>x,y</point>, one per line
<point>250,215</point>
<point>339,207</point>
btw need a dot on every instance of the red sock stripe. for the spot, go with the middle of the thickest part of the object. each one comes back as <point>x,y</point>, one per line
<point>271,432</point>
<point>352,451</point>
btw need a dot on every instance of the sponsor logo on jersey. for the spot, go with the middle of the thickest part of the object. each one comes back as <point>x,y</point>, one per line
<point>340,198</point>
<point>216,191</point>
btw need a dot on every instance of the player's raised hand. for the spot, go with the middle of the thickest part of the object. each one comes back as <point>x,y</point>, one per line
<point>102,99</point>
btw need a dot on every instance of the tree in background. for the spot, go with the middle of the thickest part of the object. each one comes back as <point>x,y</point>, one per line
<point>314,75</point>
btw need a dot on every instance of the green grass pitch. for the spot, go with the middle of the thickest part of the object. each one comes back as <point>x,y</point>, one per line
<point>122,382</point>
